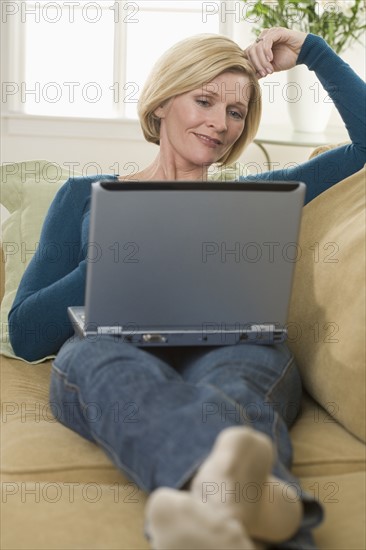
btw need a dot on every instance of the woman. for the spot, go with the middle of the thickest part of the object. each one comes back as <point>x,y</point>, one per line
<point>201,105</point>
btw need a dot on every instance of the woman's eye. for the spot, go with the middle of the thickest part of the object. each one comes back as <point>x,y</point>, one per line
<point>236,114</point>
<point>203,102</point>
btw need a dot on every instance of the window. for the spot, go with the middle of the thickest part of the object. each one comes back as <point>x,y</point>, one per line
<point>90,59</point>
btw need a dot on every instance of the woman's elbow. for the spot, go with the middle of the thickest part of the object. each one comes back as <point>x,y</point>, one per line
<point>25,338</point>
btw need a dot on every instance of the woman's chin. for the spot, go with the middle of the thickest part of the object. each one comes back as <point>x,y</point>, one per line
<point>205,160</point>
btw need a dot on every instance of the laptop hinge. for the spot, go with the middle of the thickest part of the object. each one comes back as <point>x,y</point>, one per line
<point>267,331</point>
<point>114,331</point>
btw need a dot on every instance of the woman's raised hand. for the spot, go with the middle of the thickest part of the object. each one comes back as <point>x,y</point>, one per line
<point>276,49</point>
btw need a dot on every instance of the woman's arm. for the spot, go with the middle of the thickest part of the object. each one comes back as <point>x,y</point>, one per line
<point>55,277</point>
<point>348,92</point>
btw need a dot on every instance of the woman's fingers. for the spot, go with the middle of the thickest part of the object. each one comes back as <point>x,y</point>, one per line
<point>260,55</point>
<point>275,49</point>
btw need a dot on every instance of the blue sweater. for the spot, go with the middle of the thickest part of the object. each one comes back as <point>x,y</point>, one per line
<point>38,321</point>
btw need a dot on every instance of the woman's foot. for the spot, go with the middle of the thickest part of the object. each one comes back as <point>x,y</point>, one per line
<point>176,520</point>
<point>232,490</point>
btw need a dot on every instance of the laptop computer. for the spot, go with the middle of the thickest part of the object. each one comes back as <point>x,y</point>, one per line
<point>190,263</point>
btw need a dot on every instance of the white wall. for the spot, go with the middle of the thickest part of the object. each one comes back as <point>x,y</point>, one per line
<point>123,143</point>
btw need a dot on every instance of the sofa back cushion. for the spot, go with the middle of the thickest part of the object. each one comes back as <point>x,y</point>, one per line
<point>327,312</point>
<point>27,190</point>
<point>2,275</point>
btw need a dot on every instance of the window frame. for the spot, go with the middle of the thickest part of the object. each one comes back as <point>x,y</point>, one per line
<point>16,122</point>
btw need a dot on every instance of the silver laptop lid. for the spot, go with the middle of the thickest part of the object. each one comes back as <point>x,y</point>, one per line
<point>191,257</point>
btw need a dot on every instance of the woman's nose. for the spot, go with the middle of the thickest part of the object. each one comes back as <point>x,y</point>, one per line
<point>218,119</point>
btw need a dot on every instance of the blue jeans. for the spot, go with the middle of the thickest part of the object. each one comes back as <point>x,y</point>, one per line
<point>156,412</point>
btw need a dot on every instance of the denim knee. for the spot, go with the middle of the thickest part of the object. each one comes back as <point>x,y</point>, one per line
<point>80,359</point>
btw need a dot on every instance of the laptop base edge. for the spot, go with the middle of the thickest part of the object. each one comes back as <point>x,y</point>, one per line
<point>269,334</point>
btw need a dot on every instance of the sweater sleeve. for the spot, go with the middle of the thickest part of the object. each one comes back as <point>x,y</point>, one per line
<point>55,277</point>
<point>348,92</point>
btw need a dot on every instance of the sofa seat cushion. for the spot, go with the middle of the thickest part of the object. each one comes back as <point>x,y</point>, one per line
<point>34,444</point>
<point>51,475</point>
<point>321,445</point>
<point>56,516</point>
<point>87,517</point>
<point>343,498</point>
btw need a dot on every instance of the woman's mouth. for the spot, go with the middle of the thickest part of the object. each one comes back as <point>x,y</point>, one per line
<point>209,141</point>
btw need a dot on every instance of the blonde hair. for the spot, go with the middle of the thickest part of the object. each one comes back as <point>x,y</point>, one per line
<point>188,65</point>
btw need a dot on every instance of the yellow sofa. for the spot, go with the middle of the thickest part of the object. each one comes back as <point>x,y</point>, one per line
<point>59,491</point>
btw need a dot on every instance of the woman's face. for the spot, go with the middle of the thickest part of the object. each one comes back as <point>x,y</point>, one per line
<point>200,126</point>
